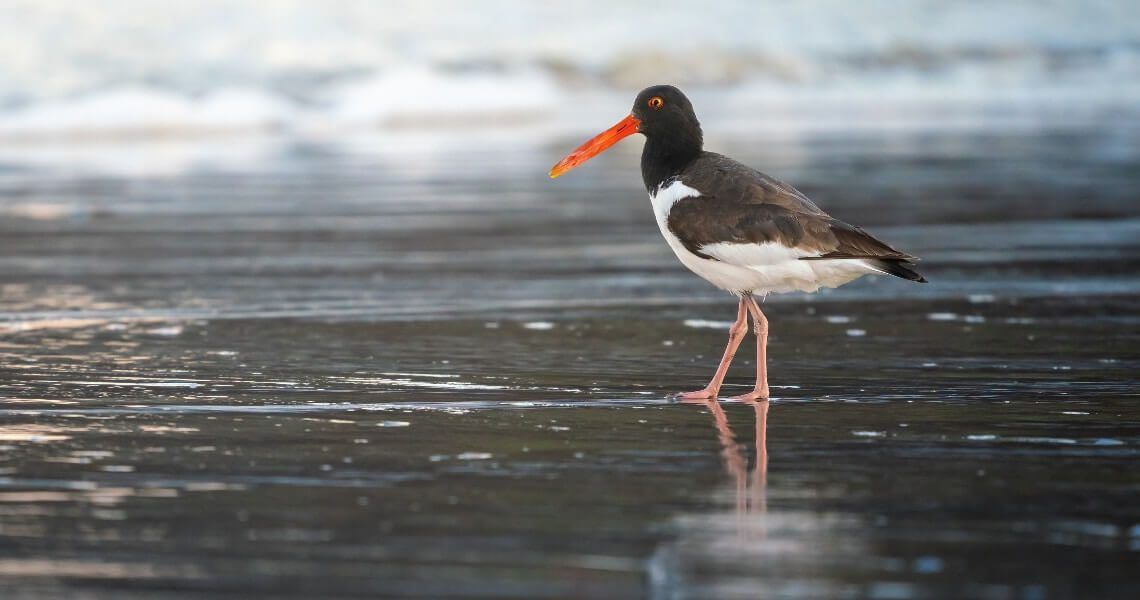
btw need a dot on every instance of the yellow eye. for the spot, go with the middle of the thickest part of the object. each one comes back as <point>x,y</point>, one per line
<point>656,103</point>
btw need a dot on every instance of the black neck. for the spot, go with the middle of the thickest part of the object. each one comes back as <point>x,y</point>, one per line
<point>665,157</point>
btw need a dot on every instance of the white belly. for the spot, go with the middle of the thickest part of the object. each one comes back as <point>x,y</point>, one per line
<point>753,268</point>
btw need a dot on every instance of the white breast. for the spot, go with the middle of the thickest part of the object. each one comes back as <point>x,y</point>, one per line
<point>756,268</point>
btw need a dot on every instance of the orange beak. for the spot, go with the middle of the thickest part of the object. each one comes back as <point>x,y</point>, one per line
<point>596,145</point>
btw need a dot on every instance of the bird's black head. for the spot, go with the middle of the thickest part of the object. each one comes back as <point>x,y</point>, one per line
<point>665,114</point>
<point>673,135</point>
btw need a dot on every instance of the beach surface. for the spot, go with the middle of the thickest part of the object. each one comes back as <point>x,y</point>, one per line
<point>409,365</point>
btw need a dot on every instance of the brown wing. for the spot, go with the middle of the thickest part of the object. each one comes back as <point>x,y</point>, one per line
<point>853,242</point>
<point>725,178</point>
<point>702,220</point>
<point>741,205</point>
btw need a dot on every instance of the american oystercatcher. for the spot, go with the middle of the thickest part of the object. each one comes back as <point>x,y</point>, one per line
<point>737,228</point>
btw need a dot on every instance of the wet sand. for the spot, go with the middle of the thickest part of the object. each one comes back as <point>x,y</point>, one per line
<point>420,369</point>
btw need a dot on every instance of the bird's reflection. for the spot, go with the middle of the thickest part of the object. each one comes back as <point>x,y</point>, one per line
<point>751,496</point>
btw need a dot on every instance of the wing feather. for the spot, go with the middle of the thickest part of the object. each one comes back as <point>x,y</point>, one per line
<point>740,205</point>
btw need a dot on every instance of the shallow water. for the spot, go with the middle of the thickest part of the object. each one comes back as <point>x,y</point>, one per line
<point>420,369</point>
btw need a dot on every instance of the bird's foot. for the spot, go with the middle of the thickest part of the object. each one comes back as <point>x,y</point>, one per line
<point>756,395</point>
<point>702,395</point>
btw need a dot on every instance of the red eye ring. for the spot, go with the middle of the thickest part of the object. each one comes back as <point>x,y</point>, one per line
<point>656,103</point>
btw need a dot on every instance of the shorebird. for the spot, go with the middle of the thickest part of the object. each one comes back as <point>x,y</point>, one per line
<point>737,228</point>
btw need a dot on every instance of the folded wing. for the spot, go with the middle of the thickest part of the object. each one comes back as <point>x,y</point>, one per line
<point>757,221</point>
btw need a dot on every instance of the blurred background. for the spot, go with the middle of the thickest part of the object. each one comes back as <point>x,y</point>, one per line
<point>289,307</point>
<point>134,68</point>
<point>289,119</point>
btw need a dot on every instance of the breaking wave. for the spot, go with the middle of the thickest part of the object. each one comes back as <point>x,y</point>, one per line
<point>134,68</point>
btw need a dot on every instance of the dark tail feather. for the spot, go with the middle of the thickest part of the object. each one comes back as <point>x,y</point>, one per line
<point>898,268</point>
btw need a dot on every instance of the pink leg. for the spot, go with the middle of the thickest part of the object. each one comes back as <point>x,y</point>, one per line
<point>760,322</point>
<point>735,336</point>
